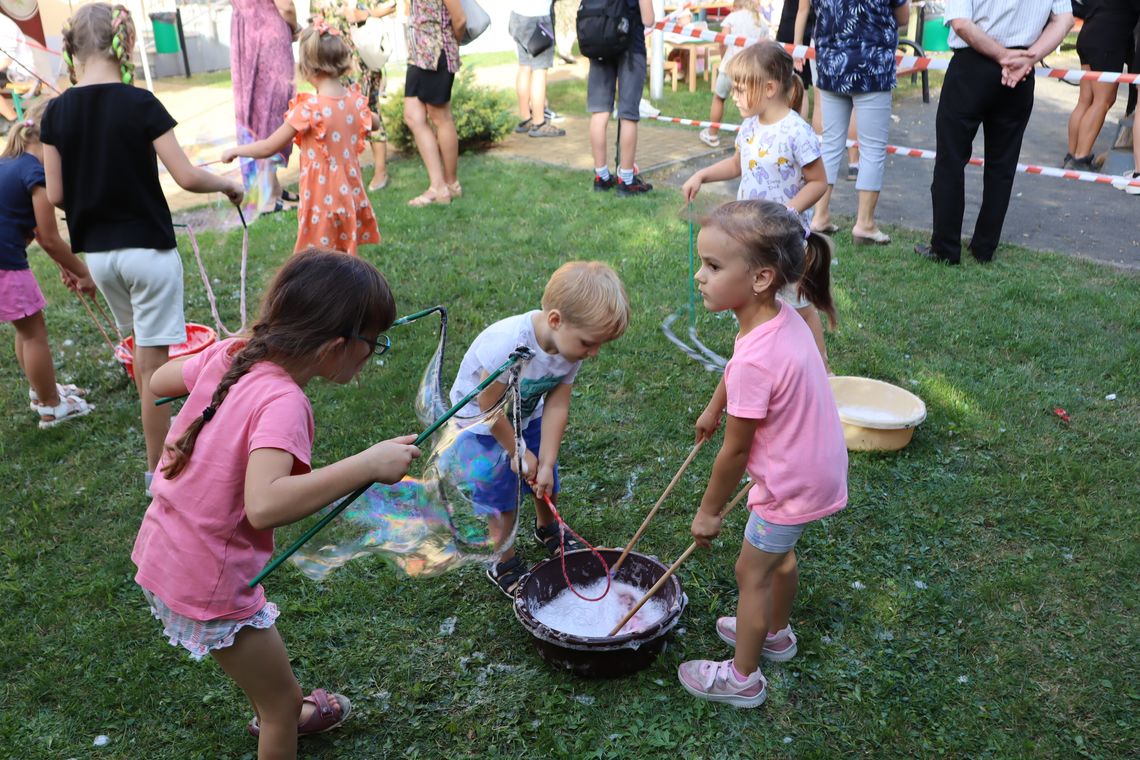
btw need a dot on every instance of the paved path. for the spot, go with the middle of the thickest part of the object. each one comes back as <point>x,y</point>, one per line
<point>1093,221</point>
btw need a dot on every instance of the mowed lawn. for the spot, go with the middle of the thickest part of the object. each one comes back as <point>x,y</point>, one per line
<point>977,598</point>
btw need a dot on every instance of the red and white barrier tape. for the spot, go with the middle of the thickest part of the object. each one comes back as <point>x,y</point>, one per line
<point>898,150</point>
<point>908,62</point>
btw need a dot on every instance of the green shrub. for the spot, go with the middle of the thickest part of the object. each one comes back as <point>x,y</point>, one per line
<point>482,116</point>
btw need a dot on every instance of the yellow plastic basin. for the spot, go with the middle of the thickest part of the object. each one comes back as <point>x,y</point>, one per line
<point>876,416</point>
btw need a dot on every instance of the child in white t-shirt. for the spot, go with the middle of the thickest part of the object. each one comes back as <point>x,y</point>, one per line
<point>744,21</point>
<point>583,307</point>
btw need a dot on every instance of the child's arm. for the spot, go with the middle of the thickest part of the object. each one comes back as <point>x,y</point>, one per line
<point>815,185</point>
<point>274,497</point>
<point>728,168</point>
<point>190,177</point>
<point>47,235</point>
<point>502,430</point>
<point>801,28</point>
<point>53,176</point>
<point>167,380</point>
<point>709,420</point>
<point>555,412</point>
<point>727,471</point>
<point>266,148</point>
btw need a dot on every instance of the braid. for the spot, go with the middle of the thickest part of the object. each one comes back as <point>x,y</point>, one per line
<point>255,350</point>
<point>122,34</point>
<point>68,53</point>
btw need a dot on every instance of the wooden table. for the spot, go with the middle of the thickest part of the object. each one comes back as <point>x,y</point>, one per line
<point>694,51</point>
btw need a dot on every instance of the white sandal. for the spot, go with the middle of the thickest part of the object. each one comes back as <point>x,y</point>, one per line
<point>69,408</point>
<point>69,389</point>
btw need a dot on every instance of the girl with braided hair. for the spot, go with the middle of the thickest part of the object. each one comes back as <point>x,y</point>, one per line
<point>237,465</point>
<point>101,138</point>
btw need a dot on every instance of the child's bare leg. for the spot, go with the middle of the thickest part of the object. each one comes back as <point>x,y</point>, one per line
<point>499,527</point>
<point>628,144</point>
<point>754,575</point>
<point>259,664</point>
<point>716,113</point>
<point>34,355</point>
<point>542,514</point>
<point>815,324</point>
<point>785,583</point>
<point>155,419</point>
<point>598,123</point>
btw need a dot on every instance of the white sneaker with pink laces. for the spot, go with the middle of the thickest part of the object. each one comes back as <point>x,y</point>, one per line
<point>717,682</point>
<point>779,646</point>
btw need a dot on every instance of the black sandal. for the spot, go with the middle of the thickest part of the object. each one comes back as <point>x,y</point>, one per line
<point>507,576</point>
<point>289,197</point>
<point>550,540</point>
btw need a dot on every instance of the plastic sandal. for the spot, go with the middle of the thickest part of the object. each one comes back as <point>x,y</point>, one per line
<point>69,408</point>
<point>827,229</point>
<point>429,198</point>
<point>332,710</point>
<point>550,540</point>
<point>67,389</point>
<point>508,576</point>
<point>878,238</point>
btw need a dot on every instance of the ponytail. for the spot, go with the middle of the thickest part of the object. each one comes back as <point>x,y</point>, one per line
<point>815,284</point>
<point>178,453</point>
<point>796,93</point>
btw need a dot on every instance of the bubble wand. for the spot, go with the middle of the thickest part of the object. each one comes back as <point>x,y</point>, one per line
<point>520,354</point>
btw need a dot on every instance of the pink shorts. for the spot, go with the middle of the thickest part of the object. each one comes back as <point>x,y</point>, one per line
<point>20,295</point>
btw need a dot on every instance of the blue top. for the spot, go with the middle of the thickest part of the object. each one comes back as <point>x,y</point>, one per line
<point>18,177</point>
<point>855,42</point>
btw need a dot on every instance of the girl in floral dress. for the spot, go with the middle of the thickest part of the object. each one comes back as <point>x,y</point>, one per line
<point>330,128</point>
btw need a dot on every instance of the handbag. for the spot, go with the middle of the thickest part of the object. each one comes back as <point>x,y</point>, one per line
<point>477,20</point>
<point>541,40</point>
<point>372,43</point>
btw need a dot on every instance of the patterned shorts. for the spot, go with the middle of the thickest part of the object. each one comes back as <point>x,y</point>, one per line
<point>770,537</point>
<point>200,637</point>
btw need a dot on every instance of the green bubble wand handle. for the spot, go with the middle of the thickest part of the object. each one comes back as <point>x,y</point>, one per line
<point>520,354</point>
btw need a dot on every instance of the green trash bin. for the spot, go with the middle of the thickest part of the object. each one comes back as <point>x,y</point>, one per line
<point>935,35</point>
<point>165,27</point>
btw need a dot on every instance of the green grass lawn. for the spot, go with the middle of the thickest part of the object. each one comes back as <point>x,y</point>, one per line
<point>977,598</point>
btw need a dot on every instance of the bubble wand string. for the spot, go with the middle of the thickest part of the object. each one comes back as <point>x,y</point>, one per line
<point>668,489</point>
<point>563,529</point>
<point>520,354</point>
<point>673,568</point>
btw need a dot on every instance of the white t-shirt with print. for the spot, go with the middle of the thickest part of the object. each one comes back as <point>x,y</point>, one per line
<point>741,24</point>
<point>540,375</point>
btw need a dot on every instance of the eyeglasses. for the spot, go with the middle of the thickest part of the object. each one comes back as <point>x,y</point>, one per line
<point>378,345</point>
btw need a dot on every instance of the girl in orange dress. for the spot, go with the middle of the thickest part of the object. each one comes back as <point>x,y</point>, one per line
<point>330,128</point>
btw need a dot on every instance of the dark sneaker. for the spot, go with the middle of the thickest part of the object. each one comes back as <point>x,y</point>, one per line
<point>927,252</point>
<point>546,129</point>
<point>524,126</point>
<point>553,543</point>
<point>636,187</point>
<point>508,575</point>
<point>601,185</point>
<point>1081,163</point>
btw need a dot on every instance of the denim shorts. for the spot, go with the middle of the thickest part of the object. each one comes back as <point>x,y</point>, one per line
<point>626,75</point>
<point>770,537</point>
<point>521,28</point>
<point>495,484</point>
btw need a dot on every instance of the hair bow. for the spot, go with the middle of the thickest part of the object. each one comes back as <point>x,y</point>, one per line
<point>323,27</point>
<point>801,220</point>
<point>28,123</point>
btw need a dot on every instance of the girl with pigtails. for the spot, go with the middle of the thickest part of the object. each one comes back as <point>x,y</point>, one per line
<point>100,143</point>
<point>237,465</point>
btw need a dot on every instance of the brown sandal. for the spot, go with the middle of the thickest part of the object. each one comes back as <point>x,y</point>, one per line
<point>332,710</point>
<point>428,198</point>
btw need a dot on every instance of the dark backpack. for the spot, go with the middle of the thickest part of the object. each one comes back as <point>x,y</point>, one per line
<point>603,29</point>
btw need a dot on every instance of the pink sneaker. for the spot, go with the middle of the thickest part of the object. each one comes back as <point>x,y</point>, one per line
<point>716,682</point>
<point>779,647</point>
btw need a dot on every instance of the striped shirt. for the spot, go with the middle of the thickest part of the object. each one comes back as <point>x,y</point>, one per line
<point>1011,23</point>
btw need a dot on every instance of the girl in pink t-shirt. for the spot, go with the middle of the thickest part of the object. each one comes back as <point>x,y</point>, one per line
<point>236,465</point>
<point>782,426</point>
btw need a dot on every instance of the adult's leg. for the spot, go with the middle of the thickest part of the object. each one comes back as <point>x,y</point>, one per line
<point>155,419</point>
<point>259,665</point>
<point>523,92</point>
<point>836,114</point>
<point>1103,97</point>
<point>598,123</point>
<point>960,109</point>
<point>537,95</point>
<point>34,356</point>
<point>415,116</point>
<point>1004,127</point>
<point>447,139</point>
<point>380,165</point>
<point>853,134</point>
<point>1084,100</point>
<point>873,120</point>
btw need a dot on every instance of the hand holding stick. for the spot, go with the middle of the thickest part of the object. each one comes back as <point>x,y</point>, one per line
<point>652,512</point>
<point>673,568</point>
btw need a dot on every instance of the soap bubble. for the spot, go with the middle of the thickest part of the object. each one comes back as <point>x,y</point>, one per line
<point>429,524</point>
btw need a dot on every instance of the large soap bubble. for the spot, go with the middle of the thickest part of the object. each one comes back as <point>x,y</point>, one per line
<point>427,525</point>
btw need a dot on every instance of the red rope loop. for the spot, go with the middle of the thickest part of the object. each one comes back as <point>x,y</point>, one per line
<point>563,529</point>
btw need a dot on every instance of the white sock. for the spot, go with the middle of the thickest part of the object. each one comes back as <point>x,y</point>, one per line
<point>602,172</point>
<point>625,175</point>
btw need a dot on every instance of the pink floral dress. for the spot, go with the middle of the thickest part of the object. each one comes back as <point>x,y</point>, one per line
<point>334,211</point>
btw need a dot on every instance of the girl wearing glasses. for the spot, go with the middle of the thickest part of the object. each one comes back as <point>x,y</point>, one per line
<point>237,464</point>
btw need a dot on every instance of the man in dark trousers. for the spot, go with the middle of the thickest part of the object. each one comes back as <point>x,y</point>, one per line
<point>989,83</point>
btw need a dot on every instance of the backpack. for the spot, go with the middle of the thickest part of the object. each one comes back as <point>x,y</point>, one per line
<point>603,29</point>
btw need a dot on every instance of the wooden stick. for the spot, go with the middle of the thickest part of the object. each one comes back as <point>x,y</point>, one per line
<point>673,568</point>
<point>657,506</point>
